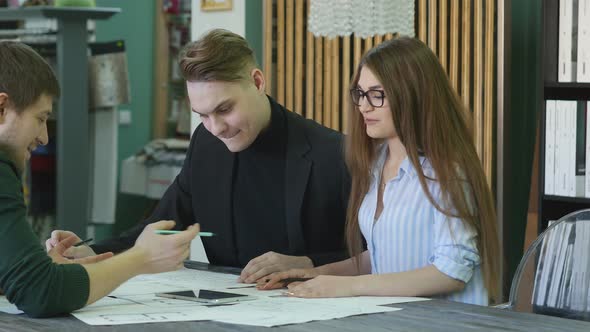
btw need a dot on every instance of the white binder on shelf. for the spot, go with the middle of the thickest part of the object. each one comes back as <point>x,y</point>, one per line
<point>564,58</point>
<point>561,147</point>
<point>587,180</point>
<point>550,147</point>
<point>565,148</point>
<point>571,158</point>
<point>579,139</point>
<point>583,64</point>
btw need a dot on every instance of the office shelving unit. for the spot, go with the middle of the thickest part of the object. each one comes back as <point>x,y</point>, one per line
<point>73,175</point>
<point>552,207</point>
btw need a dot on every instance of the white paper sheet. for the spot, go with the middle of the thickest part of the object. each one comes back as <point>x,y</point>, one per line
<point>178,280</point>
<point>287,310</point>
<point>135,302</point>
<point>8,307</point>
<point>197,252</point>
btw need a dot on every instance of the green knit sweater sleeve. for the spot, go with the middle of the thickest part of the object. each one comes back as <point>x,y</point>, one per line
<point>28,276</point>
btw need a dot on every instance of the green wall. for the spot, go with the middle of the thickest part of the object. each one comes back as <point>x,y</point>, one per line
<point>254,28</point>
<point>135,25</point>
<point>520,124</point>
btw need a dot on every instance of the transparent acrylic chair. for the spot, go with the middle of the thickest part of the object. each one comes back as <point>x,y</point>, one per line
<point>553,277</point>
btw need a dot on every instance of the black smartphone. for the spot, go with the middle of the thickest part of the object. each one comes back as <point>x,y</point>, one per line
<point>207,296</point>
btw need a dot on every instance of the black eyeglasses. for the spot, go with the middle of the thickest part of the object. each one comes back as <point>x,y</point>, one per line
<point>374,97</point>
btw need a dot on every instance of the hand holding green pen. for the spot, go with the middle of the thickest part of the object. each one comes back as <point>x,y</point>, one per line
<point>166,231</point>
<point>163,253</point>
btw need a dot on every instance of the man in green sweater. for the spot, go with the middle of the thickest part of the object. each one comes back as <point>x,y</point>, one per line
<point>40,283</point>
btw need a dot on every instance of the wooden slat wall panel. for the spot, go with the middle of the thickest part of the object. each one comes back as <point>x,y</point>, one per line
<point>309,67</point>
<point>422,20</point>
<point>442,33</point>
<point>345,81</point>
<point>477,78</point>
<point>378,39</point>
<point>368,44</point>
<point>489,97</point>
<point>316,83</point>
<point>289,61</point>
<point>298,57</point>
<point>319,70</point>
<point>268,45</point>
<point>454,47</point>
<point>281,51</point>
<point>358,51</point>
<point>335,105</point>
<point>432,12</point>
<point>327,119</point>
<point>466,55</point>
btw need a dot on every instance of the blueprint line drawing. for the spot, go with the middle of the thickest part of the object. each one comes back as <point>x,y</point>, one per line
<point>136,302</point>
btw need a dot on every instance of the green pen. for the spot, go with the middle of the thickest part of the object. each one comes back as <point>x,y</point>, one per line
<point>83,242</point>
<point>165,231</point>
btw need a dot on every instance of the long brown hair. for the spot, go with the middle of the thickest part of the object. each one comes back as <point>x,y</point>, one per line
<point>430,120</point>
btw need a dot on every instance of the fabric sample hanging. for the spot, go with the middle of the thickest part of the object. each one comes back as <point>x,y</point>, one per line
<point>364,18</point>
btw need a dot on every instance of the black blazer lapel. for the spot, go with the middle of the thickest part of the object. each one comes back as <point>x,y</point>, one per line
<point>213,185</point>
<point>297,170</point>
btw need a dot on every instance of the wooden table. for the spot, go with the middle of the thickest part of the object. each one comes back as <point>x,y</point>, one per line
<point>435,315</point>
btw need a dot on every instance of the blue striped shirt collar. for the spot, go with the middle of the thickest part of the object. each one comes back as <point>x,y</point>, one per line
<point>406,166</point>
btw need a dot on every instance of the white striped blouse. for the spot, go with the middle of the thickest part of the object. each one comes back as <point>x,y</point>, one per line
<point>411,233</point>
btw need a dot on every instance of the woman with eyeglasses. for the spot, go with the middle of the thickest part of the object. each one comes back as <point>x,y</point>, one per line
<point>419,195</point>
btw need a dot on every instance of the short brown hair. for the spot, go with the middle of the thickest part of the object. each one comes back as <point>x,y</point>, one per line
<point>218,55</point>
<point>25,75</point>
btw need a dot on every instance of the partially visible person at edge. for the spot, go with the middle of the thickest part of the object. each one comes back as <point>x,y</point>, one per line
<point>269,183</point>
<point>419,196</point>
<point>47,283</point>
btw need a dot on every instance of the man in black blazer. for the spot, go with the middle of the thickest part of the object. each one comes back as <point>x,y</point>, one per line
<point>270,184</point>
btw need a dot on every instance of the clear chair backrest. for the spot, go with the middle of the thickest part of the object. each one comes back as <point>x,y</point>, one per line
<point>553,276</point>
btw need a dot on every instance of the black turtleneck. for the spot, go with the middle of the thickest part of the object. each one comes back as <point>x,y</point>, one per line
<point>259,193</point>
